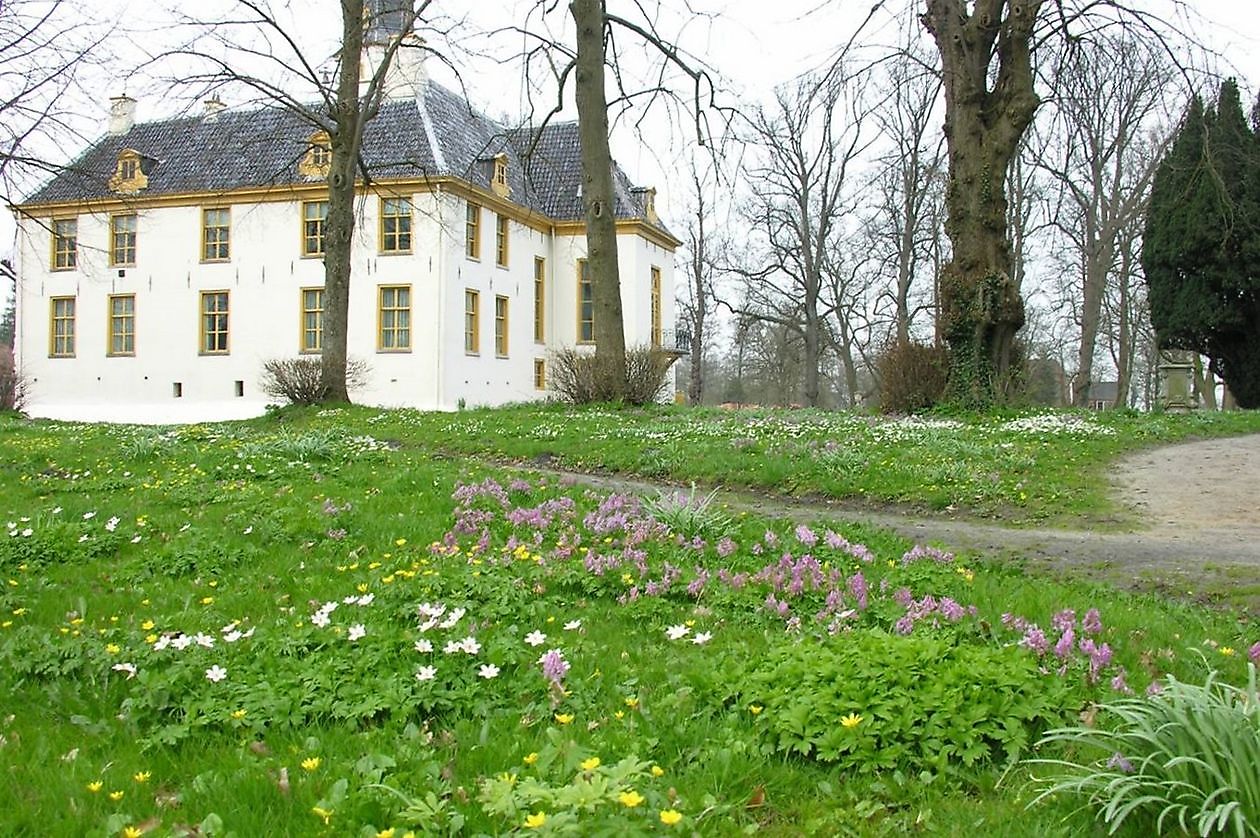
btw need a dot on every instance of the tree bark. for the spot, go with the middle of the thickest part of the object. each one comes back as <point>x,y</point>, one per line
<point>981,306</point>
<point>597,187</point>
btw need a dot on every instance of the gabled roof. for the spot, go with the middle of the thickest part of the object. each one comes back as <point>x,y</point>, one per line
<point>438,134</point>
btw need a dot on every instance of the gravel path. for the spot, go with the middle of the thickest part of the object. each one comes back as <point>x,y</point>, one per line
<point>1201,539</point>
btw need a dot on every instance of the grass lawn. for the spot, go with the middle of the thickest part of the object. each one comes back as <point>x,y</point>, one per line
<point>325,623</point>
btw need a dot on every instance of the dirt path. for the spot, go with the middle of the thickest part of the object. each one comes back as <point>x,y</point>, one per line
<point>1200,502</point>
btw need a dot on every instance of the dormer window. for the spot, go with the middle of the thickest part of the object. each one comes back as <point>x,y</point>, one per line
<point>499,179</point>
<point>129,175</point>
<point>649,206</point>
<point>318,158</point>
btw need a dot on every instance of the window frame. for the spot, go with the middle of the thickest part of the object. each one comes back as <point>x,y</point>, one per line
<point>322,227</point>
<point>223,241</point>
<point>113,320</point>
<point>472,322</point>
<point>203,313</point>
<point>500,326</point>
<point>115,233</point>
<point>383,236</point>
<point>67,340</point>
<point>540,374</point>
<point>394,329</point>
<point>584,279</point>
<point>502,239</point>
<point>305,348</point>
<point>69,256</point>
<point>656,313</point>
<point>472,231</point>
<point>540,299</point>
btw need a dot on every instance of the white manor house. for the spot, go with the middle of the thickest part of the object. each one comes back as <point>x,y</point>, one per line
<point>160,269</point>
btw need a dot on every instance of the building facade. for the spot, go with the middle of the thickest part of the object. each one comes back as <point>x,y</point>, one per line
<point>162,268</point>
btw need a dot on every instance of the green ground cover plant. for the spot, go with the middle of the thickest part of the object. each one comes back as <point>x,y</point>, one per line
<point>310,625</point>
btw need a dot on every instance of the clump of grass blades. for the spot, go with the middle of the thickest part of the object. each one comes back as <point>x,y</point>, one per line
<point>1187,755</point>
<point>298,446</point>
<point>687,514</point>
<point>146,445</point>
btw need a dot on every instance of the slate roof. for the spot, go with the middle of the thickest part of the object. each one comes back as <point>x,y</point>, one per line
<point>437,135</point>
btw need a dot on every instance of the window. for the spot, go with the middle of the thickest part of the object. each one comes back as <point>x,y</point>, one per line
<point>472,231</point>
<point>318,158</point>
<point>312,319</point>
<point>122,325</point>
<point>472,322</point>
<point>501,326</point>
<point>586,304</point>
<point>394,334</point>
<point>314,217</point>
<point>127,169</point>
<point>122,246</point>
<point>656,306</point>
<point>321,155</point>
<point>540,290</point>
<point>499,180</point>
<point>65,243</point>
<point>214,322</point>
<point>215,231</point>
<point>501,240</point>
<point>129,176</point>
<point>540,374</point>
<point>61,334</point>
<point>395,225</point>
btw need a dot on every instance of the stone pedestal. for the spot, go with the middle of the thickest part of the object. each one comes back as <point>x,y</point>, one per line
<point>1176,386</point>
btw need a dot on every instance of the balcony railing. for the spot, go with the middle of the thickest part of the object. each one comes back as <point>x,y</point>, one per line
<point>676,340</point>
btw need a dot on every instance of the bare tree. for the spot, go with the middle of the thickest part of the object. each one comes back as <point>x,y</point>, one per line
<point>703,246</point>
<point>1103,161</point>
<point>806,142</point>
<point>255,48</point>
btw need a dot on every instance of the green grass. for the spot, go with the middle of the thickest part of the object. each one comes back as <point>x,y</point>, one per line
<point>255,525</point>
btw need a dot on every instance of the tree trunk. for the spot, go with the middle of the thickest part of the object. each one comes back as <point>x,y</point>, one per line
<point>1097,264</point>
<point>695,384</point>
<point>813,349</point>
<point>981,306</point>
<point>339,225</point>
<point>597,187</point>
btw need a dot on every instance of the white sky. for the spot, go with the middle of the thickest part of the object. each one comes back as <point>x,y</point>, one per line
<point>751,44</point>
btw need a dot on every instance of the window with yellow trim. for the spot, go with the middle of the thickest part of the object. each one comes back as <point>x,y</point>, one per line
<point>472,322</point>
<point>501,326</point>
<point>122,325</point>
<point>586,304</point>
<point>129,176</point>
<point>656,306</point>
<point>395,225</point>
<point>472,231</point>
<point>394,315</point>
<point>65,243</point>
<point>314,220</point>
<point>312,319</point>
<point>122,240</point>
<point>540,291</point>
<point>318,158</point>
<point>216,230</point>
<point>501,230</point>
<point>540,374</point>
<point>499,180</point>
<point>214,322</point>
<point>61,331</point>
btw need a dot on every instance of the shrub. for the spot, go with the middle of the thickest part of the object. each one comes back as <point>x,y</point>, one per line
<point>912,377</point>
<point>583,378</point>
<point>297,380</point>
<point>13,385</point>
<point>688,514</point>
<point>1186,756</point>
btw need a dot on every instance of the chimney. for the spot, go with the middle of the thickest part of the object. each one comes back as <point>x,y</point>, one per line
<point>122,114</point>
<point>406,76</point>
<point>214,106</point>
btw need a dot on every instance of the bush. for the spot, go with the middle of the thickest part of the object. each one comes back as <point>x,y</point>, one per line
<point>912,377</point>
<point>1187,756</point>
<point>297,380</point>
<point>13,385</point>
<point>583,378</point>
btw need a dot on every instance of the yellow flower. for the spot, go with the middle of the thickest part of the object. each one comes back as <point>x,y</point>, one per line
<point>116,795</point>
<point>669,817</point>
<point>620,714</point>
<point>530,758</point>
<point>150,639</point>
<point>238,714</point>
<point>590,764</point>
<point>850,721</point>
<point>132,832</point>
<point>113,648</point>
<point>535,820</point>
<point>400,541</point>
<point>755,708</point>
<point>510,779</point>
<point>311,763</point>
<point>386,833</point>
<point>630,799</point>
<point>207,600</point>
<point>657,771</point>
<point>326,814</point>
<point>632,702</point>
<point>1227,651</point>
<point>94,786</point>
<point>141,776</point>
<point>147,625</point>
<point>564,718</point>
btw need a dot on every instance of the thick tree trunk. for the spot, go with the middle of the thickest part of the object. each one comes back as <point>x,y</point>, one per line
<point>1097,265</point>
<point>813,349</point>
<point>597,185</point>
<point>981,306</point>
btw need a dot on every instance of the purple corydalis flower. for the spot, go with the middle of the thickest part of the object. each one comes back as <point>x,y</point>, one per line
<point>858,587</point>
<point>1035,639</point>
<point>1064,647</point>
<point>951,610</point>
<point>1091,623</point>
<point>1064,620</point>
<point>806,536</point>
<point>1118,761</point>
<point>1119,684</point>
<point>1254,653</point>
<point>725,547</point>
<point>554,666</point>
